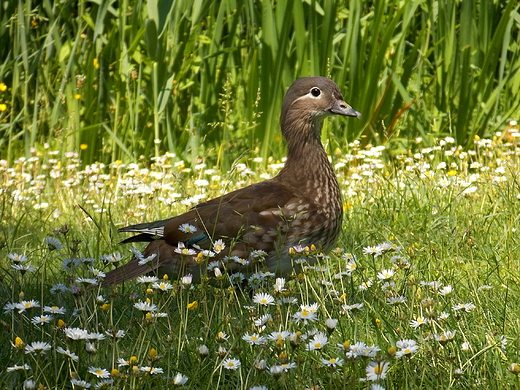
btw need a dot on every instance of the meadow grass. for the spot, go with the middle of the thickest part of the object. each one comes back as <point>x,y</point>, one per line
<point>422,291</point>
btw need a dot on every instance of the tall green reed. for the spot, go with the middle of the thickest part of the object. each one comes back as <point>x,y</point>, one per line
<point>115,80</point>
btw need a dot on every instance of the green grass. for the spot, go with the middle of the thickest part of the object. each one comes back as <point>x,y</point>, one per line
<point>451,217</point>
<point>111,111</point>
<point>107,79</point>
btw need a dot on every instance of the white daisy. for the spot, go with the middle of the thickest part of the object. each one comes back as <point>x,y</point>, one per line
<point>116,333</point>
<point>371,250</point>
<point>99,372</point>
<point>97,273</point>
<point>147,279</point>
<point>365,285</point>
<point>187,228</point>
<point>446,290</point>
<point>396,300</point>
<point>54,310</point>
<point>181,249</point>
<point>281,335</point>
<point>261,321</point>
<point>53,243</point>
<point>219,246</point>
<point>111,258</point>
<point>152,370</point>
<point>222,337</point>
<point>80,383</point>
<point>231,364</point>
<point>318,342</point>
<point>237,278</point>
<point>332,362</point>
<point>145,306</point>
<point>354,306</point>
<point>87,281</point>
<point>179,379</point>
<point>279,285</point>
<point>187,279</point>
<point>386,274</point>
<point>96,336</point>
<point>17,367</point>
<point>331,323</point>
<point>23,268</point>
<point>17,258</point>
<point>305,316</point>
<point>145,260</point>
<point>254,339</point>
<point>37,347</point>
<point>24,305</point>
<point>69,354</point>
<point>76,333</point>
<point>377,370</point>
<point>40,320</point>
<point>163,286</point>
<point>361,349</point>
<point>263,299</point>
<point>418,322</point>
<point>407,347</point>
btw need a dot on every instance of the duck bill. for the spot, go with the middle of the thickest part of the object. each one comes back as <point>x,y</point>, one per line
<point>342,108</point>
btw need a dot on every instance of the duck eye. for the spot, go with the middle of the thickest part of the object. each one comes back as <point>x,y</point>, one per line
<point>315,92</point>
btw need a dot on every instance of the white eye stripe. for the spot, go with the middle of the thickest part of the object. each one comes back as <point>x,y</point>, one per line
<point>310,95</point>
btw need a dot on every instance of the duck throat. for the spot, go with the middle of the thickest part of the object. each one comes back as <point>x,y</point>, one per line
<point>309,171</point>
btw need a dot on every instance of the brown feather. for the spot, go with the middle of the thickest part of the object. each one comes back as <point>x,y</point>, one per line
<point>300,206</point>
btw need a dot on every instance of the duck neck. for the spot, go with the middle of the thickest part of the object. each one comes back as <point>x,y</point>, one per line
<point>306,159</point>
<point>307,167</point>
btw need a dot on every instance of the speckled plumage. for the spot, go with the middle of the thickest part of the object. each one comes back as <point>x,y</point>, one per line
<point>300,206</point>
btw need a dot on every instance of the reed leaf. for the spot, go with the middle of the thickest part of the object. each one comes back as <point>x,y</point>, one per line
<point>200,78</point>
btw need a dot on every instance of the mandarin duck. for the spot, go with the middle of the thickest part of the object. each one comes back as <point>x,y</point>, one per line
<point>255,227</point>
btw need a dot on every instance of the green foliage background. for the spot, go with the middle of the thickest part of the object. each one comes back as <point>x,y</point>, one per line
<point>205,76</point>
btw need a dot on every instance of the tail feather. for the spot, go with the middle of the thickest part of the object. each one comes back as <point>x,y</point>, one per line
<point>147,231</point>
<point>143,237</point>
<point>154,227</point>
<point>128,271</point>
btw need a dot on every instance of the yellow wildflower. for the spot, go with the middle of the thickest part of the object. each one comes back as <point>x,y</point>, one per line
<point>152,355</point>
<point>18,343</point>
